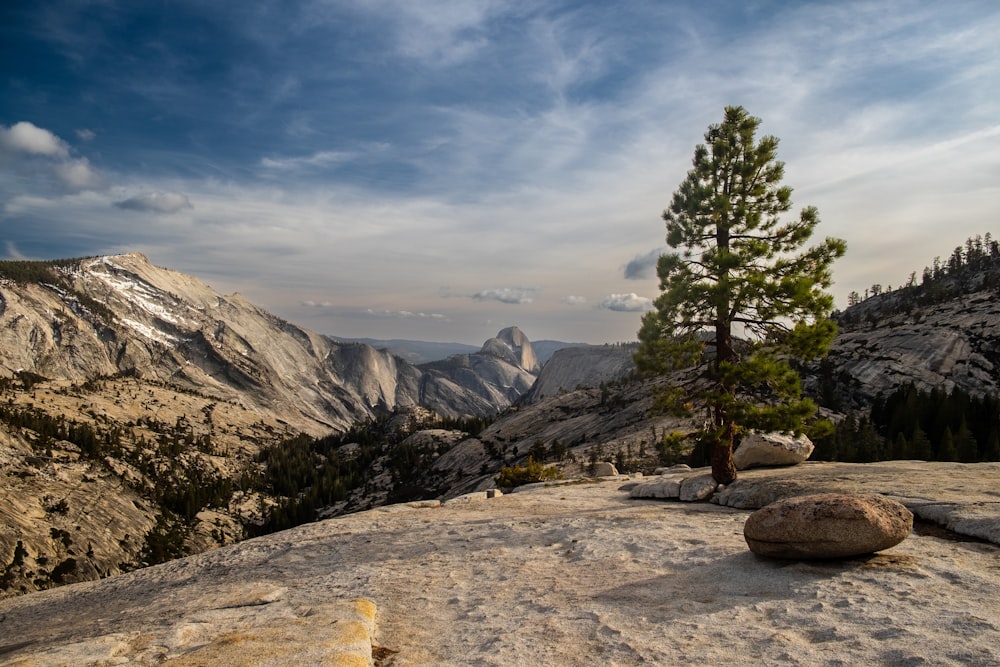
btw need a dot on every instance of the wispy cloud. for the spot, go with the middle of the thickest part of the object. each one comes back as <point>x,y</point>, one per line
<point>318,159</point>
<point>157,202</point>
<point>383,149</point>
<point>404,314</point>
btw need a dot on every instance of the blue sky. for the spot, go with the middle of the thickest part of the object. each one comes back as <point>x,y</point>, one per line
<point>438,170</point>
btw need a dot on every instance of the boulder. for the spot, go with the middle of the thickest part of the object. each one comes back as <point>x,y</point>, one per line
<point>697,488</point>
<point>657,488</point>
<point>678,467</point>
<point>827,525</point>
<point>605,469</point>
<point>771,449</point>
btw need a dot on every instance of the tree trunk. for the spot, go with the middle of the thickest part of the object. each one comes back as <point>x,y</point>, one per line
<point>723,468</point>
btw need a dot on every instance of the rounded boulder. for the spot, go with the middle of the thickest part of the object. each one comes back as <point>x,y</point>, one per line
<point>827,525</point>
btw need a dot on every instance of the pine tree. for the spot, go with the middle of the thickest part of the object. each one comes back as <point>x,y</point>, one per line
<point>966,447</point>
<point>946,448</point>
<point>740,270</point>
<point>920,445</point>
<point>992,450</point>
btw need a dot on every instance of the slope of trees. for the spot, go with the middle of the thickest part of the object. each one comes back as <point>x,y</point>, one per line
<point>934,425</point>
<point>972,267</point>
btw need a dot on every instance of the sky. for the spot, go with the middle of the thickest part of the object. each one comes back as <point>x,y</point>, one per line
<point>441,169</point>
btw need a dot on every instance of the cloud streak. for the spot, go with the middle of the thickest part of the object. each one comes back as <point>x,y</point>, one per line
<point>380,150</point>
<point>156,202</point>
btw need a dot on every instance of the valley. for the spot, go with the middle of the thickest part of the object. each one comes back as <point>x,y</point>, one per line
<point>144,416</point>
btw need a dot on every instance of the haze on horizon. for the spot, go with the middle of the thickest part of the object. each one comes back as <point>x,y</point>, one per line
<point>437,171</point>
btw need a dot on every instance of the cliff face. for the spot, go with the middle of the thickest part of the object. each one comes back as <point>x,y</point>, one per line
<point>910,336</point>
<point>582,366</point>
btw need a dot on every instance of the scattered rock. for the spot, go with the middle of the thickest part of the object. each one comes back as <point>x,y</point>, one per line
<point>657,488</point>
<point>679,467</point>
<point>771,449</point>
<point>605,469</point>
<point>698,488</point>
<point>827,525</point>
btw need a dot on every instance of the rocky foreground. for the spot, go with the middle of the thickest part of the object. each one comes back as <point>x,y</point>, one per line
<point>576,574</point>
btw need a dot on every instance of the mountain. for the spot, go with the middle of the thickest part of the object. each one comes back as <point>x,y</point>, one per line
<point>498,375</point>
<point>421,352</point>
<point>582,366</point>
<point>145,416</point>
<point>97,317</point>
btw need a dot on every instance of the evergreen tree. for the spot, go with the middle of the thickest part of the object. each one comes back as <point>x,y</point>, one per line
<point>992,450</point>
<point>946,448</point>
<point>740,270</point>
<point>921,445</point>
<point>966,448</point>
<point>900,448</point>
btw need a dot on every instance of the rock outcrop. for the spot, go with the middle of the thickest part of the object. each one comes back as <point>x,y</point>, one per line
<point>942,334</point>
<point>828,525</point>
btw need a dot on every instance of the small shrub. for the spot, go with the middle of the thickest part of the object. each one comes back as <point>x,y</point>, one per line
<point>530,472</point>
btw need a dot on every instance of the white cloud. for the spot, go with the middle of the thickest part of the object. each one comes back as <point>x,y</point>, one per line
<point>626,303</point>
<point>157,202</point>
<point>513,295</point>
<point>27,141</point>
<point>575,300</point>
<point>25,137</point>
<point>83,134</point>
<point>77,174</point>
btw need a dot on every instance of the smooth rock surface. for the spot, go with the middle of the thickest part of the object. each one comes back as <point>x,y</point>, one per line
<point>512,582</point>
<point>827,525</point>
<point>771,449</point>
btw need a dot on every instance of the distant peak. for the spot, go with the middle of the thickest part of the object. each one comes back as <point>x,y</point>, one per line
<point>510,343</point>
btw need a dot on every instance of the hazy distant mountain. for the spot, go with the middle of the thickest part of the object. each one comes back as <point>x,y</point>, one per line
<point>414,351</point>
<point>421,352</point>
<point>544,349</point>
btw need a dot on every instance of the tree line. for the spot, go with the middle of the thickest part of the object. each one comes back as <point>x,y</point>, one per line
<point>911,423</point>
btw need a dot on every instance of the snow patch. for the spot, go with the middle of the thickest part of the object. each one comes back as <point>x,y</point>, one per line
<point>150,332</point>
<point>140,294</point>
